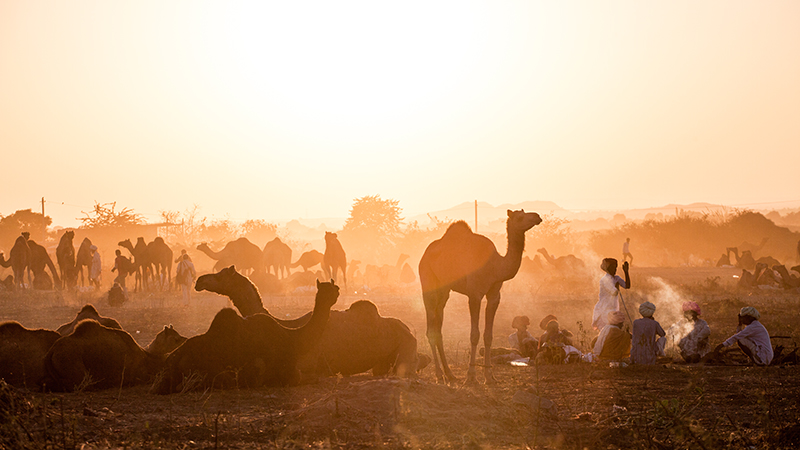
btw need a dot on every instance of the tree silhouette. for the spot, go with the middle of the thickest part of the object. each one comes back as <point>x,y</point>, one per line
<point>105,215</point>
<point>373,227</point>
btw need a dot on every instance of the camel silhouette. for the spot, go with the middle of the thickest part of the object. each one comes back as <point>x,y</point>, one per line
<point>84,259</point>
<point>468,263</point>
<point>98,357</point>
<point>141,263</point>
<point>160,257</point>
<point>87,312</point>
<point>39,260</point>
<point>334,258</point>
<point>308,260</point>
<point>20,260</point>
<point>165,341</point>
<point>247,352</point>
<point>354,341</point>
<point>65,256</point>
<point>567,264</point>
<point>241,253</point>
<point>22,353</point>
<point>279,256</point>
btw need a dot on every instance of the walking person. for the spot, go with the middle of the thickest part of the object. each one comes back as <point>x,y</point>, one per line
<point>185,275</point>
<point>96,268</point>
<point>626,251</point>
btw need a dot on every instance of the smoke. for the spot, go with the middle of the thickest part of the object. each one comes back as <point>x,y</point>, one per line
<point>669,310</point>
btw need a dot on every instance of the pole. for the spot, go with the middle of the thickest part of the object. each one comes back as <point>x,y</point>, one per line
<point>625,307</point>
<point>476,216</point>
<point>44,222</point>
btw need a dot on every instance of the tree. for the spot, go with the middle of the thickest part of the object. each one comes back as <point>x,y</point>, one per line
<point>23,220</point>
<point>105,215</point>
<point>372,228</point>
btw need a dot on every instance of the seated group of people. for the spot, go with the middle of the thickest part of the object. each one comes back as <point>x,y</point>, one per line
<point>644,346</point>
<point>690,335</point>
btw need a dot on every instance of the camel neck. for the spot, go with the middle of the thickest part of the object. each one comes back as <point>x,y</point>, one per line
<point>513,257</point>
<point>311,332</point>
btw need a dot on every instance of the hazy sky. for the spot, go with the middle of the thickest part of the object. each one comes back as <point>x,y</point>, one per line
<point>279,110</point>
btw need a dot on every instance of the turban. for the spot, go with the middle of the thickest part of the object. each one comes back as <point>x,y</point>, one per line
<point>615,317</point>
<point>750,311</point>
<point>520,321</point>
<point>607,262</point>
<point>552,326</point>
<point>691,306</point>
<point>647,309</point>
<point>546,320</point>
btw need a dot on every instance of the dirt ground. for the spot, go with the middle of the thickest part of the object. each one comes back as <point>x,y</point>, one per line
<point>569,406</point>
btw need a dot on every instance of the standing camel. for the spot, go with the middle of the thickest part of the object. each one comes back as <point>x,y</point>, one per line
<point>65,256</point>
<point>334,258</point>
<point>277,255</point>
<point>20,258</point>
<point>141,265</point>
<point>84,258</point>
<point>468,263</point>
<point>160,256</point>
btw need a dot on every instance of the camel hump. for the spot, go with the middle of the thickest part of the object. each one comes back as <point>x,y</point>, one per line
<point>364,308</point>
<point>458,228</point>
<point>226,320</point>
<point>89,309</point>
<point>10,327</point>
<point>86,326</point>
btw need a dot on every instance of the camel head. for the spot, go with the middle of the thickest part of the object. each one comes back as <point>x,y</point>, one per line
<point>522,221</point>
<point>327,294</point>
<point>166,341</point>
<point>203,247</point>
<point>125,244</point>
<point>69,234</point>
<point>221,282</point>
<point>330,236</point>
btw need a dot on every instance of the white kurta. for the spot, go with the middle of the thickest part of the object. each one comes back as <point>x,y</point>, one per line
<point>757,335</point>
<point>608,300</point>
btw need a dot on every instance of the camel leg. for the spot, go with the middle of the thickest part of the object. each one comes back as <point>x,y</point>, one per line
<point>492,302</point>
<point>474,338</point>
<point>434,308</point>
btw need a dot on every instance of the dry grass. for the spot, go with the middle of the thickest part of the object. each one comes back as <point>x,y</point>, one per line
<point>659,407</point>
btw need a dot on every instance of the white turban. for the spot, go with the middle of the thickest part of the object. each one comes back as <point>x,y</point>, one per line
<point>647,309</point>
<point>750,311</point>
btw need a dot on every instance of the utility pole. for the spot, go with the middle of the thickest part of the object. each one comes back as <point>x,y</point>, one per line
<point>476,216</point>
<point>44,223</point>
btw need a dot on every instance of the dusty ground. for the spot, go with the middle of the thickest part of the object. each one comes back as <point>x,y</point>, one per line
<point>593,406</point>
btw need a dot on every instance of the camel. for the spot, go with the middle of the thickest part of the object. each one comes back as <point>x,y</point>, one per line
<point>20,259</point>
<point>308,260</point>
<point>302,280</point>
<point>241,253</point>
<point>252,351</point>
<point>87,312</point>
<point>334,258</point>
<point>165,342</point>
<point>159,255</point>
<point>277,255</point>
<point>84,258</point>
<point>788,281</point>
<point>22,353</point>
<point>567,264</point>
<point>98,357</point>
<point>140,261</point>
<point>748,280</point>
<point>39,260</point>
<point>387,275</point>
<point>354,341</point>
<point>747,261</point>
<point>468,263</point>
<point>65,256</point>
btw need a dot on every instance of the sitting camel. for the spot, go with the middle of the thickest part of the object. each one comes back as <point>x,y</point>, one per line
<point>355,340</point>
<point>87,312</point>
<point>334,257</point>
<point>788,281</point>
<point>567,264</point>
<point>22,353</point>
<point>308,260</point>
<point>748,280</point>
<point>98,357</point>
<point>247,352</point>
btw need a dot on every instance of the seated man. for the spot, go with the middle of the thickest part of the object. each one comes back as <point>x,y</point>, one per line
<point>555,345</point>
<point>691,334</point>
<point>613,344</point>
<point>752,337</point>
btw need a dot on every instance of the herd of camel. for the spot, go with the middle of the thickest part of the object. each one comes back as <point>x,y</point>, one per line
<point>243,347</point>
<point>766,270</point>
<point>247,346</point>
